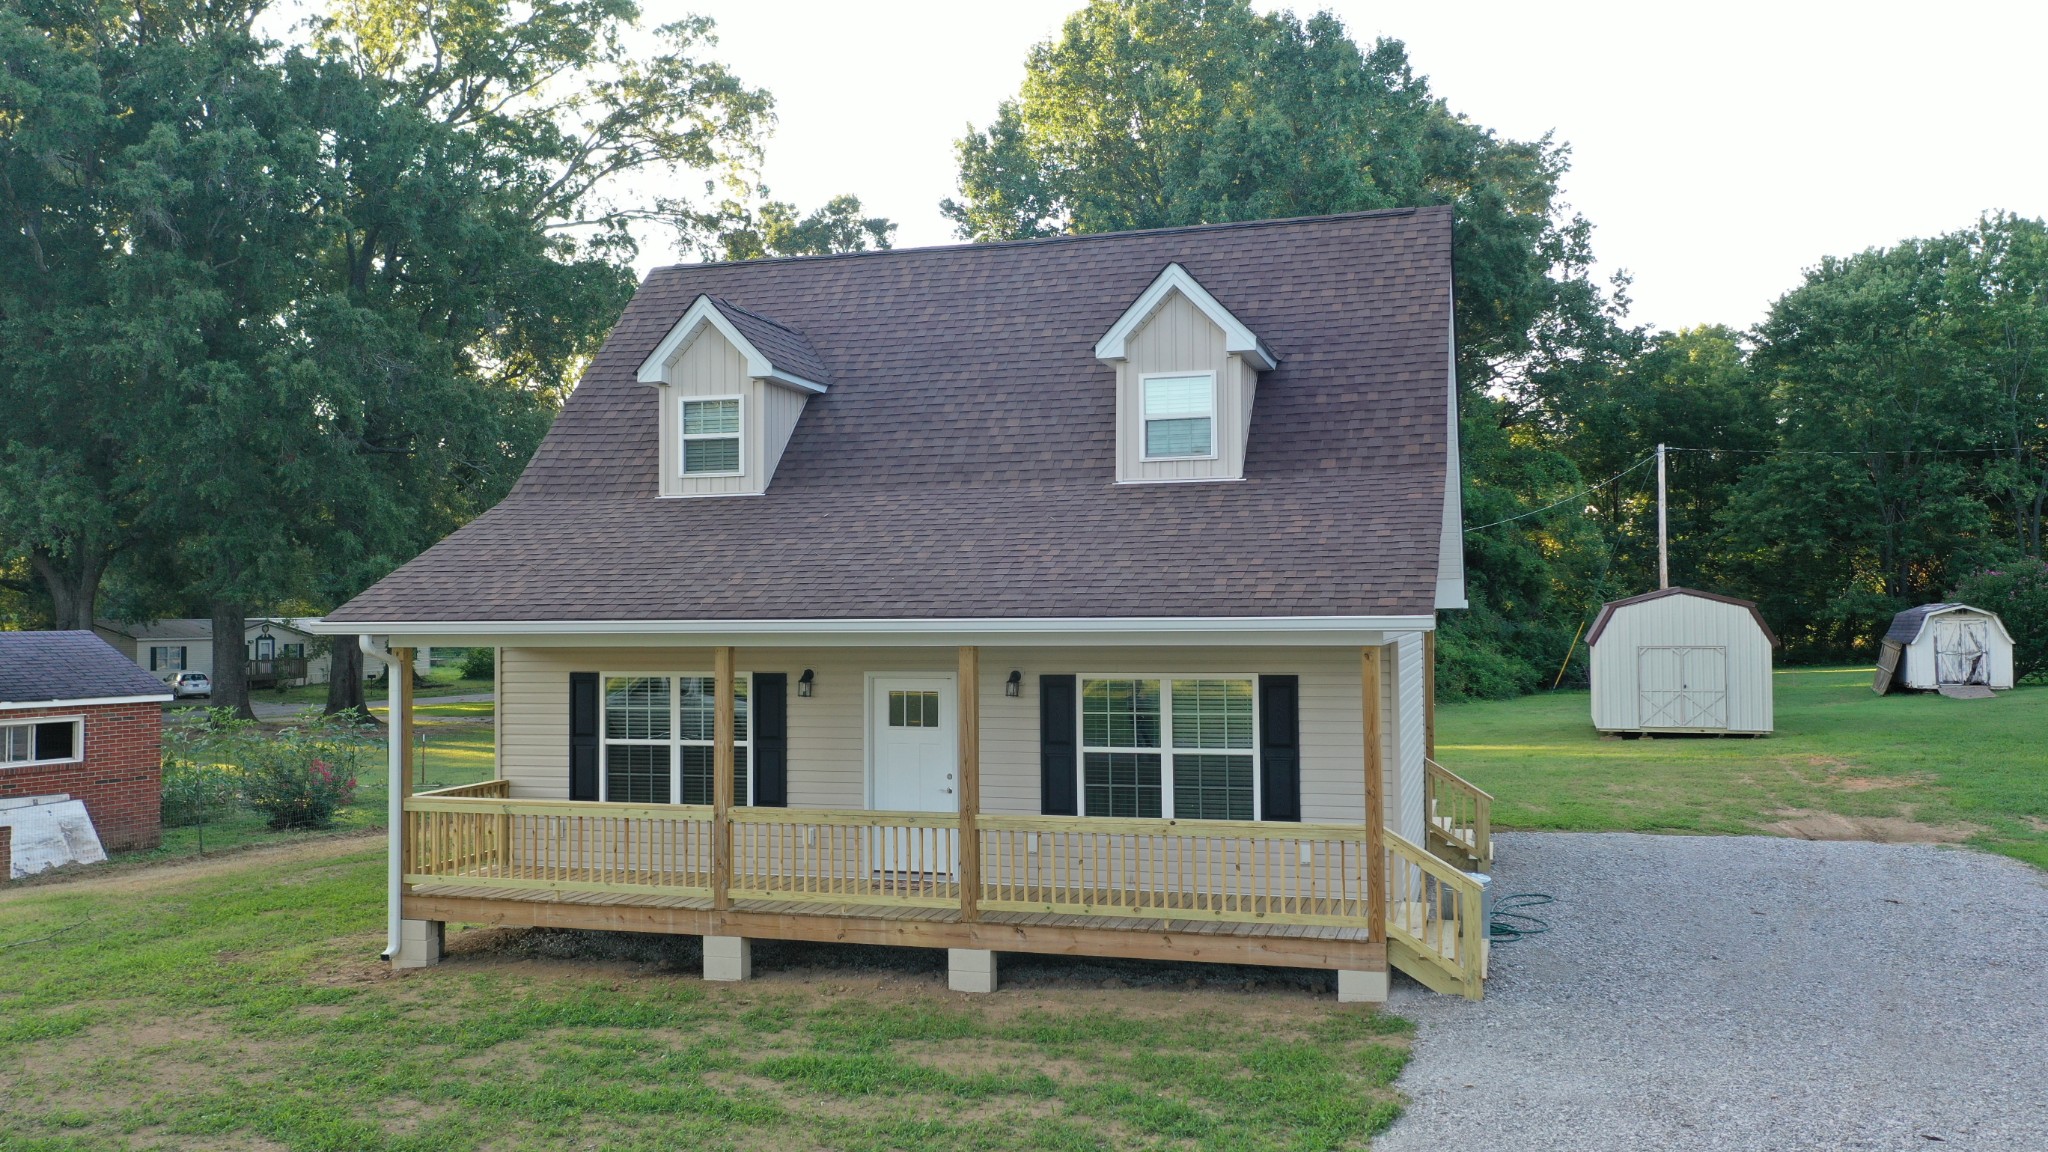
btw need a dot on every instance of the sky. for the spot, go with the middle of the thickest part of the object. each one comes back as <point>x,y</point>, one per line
<point>1719,149</point>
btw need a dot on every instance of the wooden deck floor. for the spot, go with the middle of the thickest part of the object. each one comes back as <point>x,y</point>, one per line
<point>1217,941</point>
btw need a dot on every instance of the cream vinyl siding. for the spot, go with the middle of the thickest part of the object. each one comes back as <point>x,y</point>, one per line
<point>1689,622</point>
<point>711,367</point>
<point>827,732</point>
<point>1178,338</point>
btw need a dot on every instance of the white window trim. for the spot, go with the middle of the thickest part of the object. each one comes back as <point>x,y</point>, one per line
<point>77,740</point>
<point>675,743</point>
<point>1215,402</point>
<point>683,437</point>
<point>1166,750</point>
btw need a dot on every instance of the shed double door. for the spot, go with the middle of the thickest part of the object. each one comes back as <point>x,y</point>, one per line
<point>1962,651</point>
<point>1681,686</point>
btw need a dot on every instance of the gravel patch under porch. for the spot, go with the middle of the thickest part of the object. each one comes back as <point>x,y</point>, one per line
<point>1700,992</point>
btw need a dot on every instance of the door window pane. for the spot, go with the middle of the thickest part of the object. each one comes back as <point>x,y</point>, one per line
<point>913,709</point>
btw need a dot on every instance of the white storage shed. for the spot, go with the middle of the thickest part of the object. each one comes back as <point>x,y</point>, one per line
<point>1938,645</point>
<point>1681,660</point>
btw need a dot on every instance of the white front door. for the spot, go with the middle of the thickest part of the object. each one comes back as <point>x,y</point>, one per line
<point>1961,651</point>
<point>915,751</point>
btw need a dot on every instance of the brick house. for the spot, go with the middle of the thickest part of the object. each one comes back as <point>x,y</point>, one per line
<point>78,718</point>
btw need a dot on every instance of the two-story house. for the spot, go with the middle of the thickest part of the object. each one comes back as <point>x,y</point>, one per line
<point>1072,595</point>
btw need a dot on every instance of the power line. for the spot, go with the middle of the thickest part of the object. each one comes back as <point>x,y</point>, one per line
<point>1584,492</point>
<point>1845,451</point>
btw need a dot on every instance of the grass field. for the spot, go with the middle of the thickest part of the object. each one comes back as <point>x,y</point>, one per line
<point>237,1004</point>
<point>459,749</point>
<point>1843,764</point>
<point>443,681</point>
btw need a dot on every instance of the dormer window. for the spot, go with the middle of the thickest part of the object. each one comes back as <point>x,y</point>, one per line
<point>1180,417</point>
<point>711,437</point>
<point>731,385</point>
<point>1186,373</point>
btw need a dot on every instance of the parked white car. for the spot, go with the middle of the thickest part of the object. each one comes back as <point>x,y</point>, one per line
<point>186,684</point>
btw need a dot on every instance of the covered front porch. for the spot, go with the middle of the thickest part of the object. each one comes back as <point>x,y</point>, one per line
<point>1354,897</point>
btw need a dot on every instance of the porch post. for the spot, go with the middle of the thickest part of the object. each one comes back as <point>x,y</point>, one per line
<point>1429,694</point>
<point>419,941</point>
<point>721,777</point>
<point>1375,798</point>
<point>970,782</point>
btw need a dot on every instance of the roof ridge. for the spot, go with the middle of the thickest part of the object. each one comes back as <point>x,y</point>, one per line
<point>1063,238</point>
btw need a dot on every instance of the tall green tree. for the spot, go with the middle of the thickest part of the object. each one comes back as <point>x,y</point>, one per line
<point>1155,113</point>
<point>1909,392</point>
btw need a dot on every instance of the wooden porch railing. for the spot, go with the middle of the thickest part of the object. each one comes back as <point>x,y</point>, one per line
<point>1460,816</point>
<point>475,836</point>
<point>1176,869</point>
<point>561,846</point>
<point>1436,920</point>
<point>902,859</point>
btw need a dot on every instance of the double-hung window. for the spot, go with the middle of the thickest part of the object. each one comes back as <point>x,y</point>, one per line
<point>658,739</point>
<point>1178,748</point>
<point>711,436</point>
<point>1180,416</point>
<point>40,742</point>
<point>167,658</point>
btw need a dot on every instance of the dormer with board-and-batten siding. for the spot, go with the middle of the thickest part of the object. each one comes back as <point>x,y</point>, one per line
<point>1186,377</point>
<point>731,385</point>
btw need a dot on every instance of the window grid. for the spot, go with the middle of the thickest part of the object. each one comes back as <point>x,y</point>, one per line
<point>711,436</point>
<point>1179,416</point>
<point>659,739</point>
<point>1201,766</point>
<point>913,709</point>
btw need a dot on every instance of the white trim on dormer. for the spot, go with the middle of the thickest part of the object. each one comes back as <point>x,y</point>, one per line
<point>1237,338</point>
<point>655,369</point>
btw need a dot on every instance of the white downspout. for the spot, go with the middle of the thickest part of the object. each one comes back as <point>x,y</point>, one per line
<point>395,769</point>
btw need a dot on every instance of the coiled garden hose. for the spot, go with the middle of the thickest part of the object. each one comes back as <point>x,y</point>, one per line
<point>1509,922</point>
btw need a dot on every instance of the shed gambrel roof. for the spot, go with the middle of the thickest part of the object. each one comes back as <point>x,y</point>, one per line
<point>1607,610</point>
<point>962,463</point>
<point>1906,625</point>
<point>56,667</point>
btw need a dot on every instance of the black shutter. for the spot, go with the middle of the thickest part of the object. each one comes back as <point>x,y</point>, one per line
<point>184,661</point>
<point>152,658</point>
<point>1280,746</point>
<point>770,704</point>
<point>1058,759</point>
<point>583,723</point>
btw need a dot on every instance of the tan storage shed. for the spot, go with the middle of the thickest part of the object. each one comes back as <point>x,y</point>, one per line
<point>1681,660</point>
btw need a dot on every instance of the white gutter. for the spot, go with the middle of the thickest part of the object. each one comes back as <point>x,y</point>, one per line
<point>898,630</point>
<point>11,705</point>
<point>394,874</point>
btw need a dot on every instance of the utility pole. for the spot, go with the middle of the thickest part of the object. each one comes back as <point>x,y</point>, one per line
<point>1663,544</point>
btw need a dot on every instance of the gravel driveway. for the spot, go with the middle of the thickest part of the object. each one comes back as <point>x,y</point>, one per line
<point>1745,993</point>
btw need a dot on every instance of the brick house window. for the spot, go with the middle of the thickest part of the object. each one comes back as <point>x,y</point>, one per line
<point>41,742</point>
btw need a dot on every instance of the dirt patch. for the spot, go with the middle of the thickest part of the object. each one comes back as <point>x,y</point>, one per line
<point>136,875</point>
<point>1807,824</point>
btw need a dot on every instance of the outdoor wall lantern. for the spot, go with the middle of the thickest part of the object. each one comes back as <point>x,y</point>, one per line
<point>1014,686</point>
<point>803,684</point>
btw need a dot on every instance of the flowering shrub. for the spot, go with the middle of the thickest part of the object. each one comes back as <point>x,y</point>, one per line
<point>2019,594</point>
<point>302,776</point>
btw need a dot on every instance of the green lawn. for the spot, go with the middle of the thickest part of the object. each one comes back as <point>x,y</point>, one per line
<point>237,1004</point>
<point>459,749</point>
<point>1843,762</point>
<point>445,681</point>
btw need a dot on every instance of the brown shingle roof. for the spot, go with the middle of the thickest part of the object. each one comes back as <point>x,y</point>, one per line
<point>784,347</point>
<point>962,464</point>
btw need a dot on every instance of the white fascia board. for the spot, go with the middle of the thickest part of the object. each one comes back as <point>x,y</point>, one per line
<point>1237,338</point>
<point>18,705</point>
<point>1239,631</point>
<point>654,369</point>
